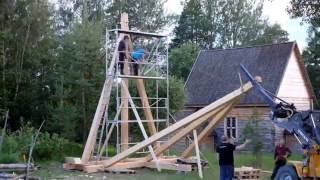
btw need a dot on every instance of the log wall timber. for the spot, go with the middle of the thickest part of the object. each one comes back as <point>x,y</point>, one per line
<point>202,112</point>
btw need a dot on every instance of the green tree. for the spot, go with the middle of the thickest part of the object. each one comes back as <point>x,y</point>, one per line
<point>182,58</point>
<point>309,11</point>
<point>252,131</point>
<point>144,15</point>
<point>272,34</point>
<point>78,80</point>
<point>312,59</point>
<point>225,24</point>
<point>191,25</point>
<point>73,11</point>
<point>27,44</point>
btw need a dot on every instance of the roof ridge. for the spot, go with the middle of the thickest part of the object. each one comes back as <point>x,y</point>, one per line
<point>247,47</point>
<point>205,83</point>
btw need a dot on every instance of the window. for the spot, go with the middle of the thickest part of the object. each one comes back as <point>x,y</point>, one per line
<point>230,127</point>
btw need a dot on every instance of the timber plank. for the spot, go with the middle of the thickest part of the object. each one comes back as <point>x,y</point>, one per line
<point>204,133</point>
<point>189,119</point>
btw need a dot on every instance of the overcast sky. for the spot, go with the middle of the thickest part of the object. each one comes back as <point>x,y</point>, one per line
<point>275,11</point>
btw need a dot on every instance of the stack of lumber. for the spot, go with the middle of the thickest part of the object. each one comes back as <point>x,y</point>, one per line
<point>247,173</point>
<point>193,162</point>
<point>16,167</point>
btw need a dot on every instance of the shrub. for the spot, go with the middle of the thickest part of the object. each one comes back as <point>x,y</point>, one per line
<point>48,146</point>
<point>7,158</point>
<point>112,151</point>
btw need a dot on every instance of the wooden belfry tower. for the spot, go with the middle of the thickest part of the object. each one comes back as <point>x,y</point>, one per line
<point>143,100</point>
<point>129,109</point>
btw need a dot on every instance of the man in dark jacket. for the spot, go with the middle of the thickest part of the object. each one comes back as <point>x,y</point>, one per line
<point>281,153</point>
<point>122,52</point>
<point>226,159</point>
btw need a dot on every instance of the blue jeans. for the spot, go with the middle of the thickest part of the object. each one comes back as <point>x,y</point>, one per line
<point>226,172</point>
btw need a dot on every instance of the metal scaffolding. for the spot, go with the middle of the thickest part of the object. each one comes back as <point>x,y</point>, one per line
<point>153,72</point>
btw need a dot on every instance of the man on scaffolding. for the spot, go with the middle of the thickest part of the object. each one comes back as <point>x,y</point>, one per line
<point>122,52</point>
<point>136,56</point>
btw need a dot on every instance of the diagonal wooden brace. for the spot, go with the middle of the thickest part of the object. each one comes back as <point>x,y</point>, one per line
<point>204,133</point>
<point>180,124</point>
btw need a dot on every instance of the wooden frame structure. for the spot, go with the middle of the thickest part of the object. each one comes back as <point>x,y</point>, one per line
<point>212,113</point>
<point>123,160</point>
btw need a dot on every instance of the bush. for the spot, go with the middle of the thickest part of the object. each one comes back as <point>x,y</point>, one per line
<point>112,151</point>
<point>72,149</point>
<point>9,158</point>
<point>48,147</point>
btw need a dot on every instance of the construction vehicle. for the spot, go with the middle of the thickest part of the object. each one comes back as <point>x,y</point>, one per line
<point>302,125</point>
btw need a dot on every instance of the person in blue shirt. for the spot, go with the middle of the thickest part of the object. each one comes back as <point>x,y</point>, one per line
<point>137,56</point>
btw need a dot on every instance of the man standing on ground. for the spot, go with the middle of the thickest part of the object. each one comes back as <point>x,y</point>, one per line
<point>226,159</point>
<point>281,153</point>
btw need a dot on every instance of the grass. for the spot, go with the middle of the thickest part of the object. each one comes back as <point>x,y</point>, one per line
<point>54,170</point>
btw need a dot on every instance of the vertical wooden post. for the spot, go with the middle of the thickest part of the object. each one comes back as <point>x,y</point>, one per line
<point>124,95</point>
<point>195,138</point>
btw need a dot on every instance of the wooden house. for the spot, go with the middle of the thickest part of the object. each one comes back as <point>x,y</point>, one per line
<point>216,73</point>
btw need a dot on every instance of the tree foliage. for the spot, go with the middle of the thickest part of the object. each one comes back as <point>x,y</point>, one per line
<point>27,54</point>
<point>309,11</point>
<point>182,58</point>
<point>252,131</point>
<point>78,80</point>
<point>144,15</point>
<point>192,25</point>
<point>224,24</point>
<point>52,59</point>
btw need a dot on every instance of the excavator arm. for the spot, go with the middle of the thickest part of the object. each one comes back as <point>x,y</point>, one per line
<point>283,114</point>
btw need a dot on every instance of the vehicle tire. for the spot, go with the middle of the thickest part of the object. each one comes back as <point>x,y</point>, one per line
<point>287,172</point>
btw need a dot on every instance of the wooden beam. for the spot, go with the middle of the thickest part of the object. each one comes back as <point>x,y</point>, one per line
<point>102,107</point>
<point>141,77</point>
<point>204,133</point>
<point>110,132</point>
<point>169,166</point>
<point>195,138</point>
<point>145,103</point>
<point>143,131</point>
<point>124,96</point>
<point>119,165</point>
<point>138,33</point>
<point>73,166</point>
<point>187,120</point>
<point>219,113</point>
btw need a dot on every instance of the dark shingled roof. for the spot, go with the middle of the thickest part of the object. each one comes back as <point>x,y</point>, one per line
<point>215,72</point>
